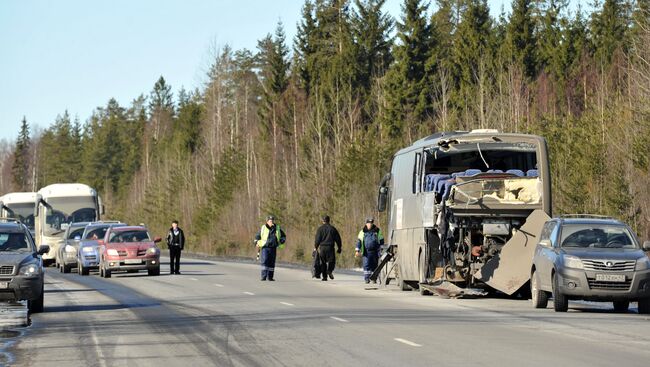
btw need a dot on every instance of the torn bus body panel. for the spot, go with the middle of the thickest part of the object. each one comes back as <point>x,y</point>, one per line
<point>506,271</point>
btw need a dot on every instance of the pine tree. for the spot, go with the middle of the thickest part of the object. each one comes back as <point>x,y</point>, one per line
<point>21,164</point>
<point>521,38</point>
<point>408,97</point>
<point>371,29</point>
<point>609,27</point>
<point>471,46</point>
<point>304,46</point>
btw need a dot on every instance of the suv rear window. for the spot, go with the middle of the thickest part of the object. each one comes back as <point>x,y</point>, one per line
<point>596,236</point>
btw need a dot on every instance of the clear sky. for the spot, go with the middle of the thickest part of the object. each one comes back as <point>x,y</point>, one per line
<point>76,54</point>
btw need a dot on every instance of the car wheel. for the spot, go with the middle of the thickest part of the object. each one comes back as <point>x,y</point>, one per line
<point>560,301</point>
<point>154,272</point>
<point>621,306</point>
<point>58,266</point>
<point>36,306</point>
<point>107,273</point>
<point>644,306</point>
<point>538,297</point>
<point>82,270</point>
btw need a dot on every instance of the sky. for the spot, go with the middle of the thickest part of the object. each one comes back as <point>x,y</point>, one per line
<point>75,55</point>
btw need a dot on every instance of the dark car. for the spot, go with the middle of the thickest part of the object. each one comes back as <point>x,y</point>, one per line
<point>590,258</point>
<point>21,266</point>
<point>66,255</point>
<point>130,249</point>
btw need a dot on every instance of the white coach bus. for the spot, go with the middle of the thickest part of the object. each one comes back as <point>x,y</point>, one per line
<point>57,206</point>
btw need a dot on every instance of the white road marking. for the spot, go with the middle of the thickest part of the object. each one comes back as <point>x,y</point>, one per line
<point>407,342</point>
<point>249,293</point>
<point>338,319</point>
<point>219,285</point>
<point>193,279</point>
<point>287,304</point>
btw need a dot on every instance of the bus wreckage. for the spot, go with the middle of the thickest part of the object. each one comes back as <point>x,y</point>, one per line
<point>466,210</point>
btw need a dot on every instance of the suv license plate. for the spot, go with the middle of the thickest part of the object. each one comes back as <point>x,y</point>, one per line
<point>610,277</point>
<point>133,261</point>
<point>4,285</point>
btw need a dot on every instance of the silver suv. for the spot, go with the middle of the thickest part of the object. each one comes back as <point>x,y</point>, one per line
<point>21,266</point>
<point>590,258</point>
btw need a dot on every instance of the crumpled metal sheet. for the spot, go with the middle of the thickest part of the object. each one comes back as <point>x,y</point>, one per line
<point>510,270</point>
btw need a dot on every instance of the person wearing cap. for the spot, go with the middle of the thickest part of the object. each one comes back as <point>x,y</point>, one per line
<point>326,237</point>
<point>269,239</point>
<point>369,242</point>
<point>175,243</point>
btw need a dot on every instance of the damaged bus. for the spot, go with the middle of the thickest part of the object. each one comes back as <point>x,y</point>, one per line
<point>465,211</point>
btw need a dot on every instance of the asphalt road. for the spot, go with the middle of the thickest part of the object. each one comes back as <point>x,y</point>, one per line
<point>221,314</point>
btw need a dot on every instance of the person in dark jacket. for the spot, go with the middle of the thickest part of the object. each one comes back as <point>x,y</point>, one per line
<point>269,239</point>
<point>326,237</point>
<point>176,244</point>
<point>369,242</point>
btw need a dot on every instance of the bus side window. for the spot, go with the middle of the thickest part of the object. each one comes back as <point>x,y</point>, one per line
<point>417,182</point>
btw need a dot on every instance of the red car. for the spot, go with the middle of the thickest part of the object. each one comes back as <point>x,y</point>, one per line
<point>129,248</point>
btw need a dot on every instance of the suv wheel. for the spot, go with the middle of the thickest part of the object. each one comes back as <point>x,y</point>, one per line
<point>154,271</point>
<point>65,268</point>
<point>560,301</point>
<point>36,306</point>
<point>621,306</point>
<point>82,270</point>
<point>538,297</point>
<point>644,306</point>
<point>107,273</point>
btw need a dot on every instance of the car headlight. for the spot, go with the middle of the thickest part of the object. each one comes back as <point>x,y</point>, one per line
<point>112,252</point>
<point>30,269</point>
<point>573,262</point>
<point>70,249</point>
<point>152,251</point>
<point>643,263</point>
<point>88,250</point>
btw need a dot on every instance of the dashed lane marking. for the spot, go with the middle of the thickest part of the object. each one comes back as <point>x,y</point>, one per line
<point>249,293</point>
<point>194,279</point>
<point>338,319</point>
<point>287,304</point>
<point>219,285</point>
<point>407,342</point>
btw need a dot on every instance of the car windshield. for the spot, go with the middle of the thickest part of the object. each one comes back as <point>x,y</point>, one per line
<point>129,236</point>
<point>75,232</point>
<point>66,210</point>
<point>23,212</point>
<point>10,242</point>
<point>597,236</point>
<point>96,233</point>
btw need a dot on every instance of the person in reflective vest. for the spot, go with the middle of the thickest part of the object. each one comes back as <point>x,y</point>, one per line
<point>269,239</point>
<point>369,242</point>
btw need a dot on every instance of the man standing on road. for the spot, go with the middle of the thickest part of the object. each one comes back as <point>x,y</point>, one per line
<point>369,242</point>
<point>326,237</point>
<point>176,243</point>
<point>269,239</point>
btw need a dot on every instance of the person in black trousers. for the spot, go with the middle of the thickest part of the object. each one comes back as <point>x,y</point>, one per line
<point>326,237</point>
<point>176,243</point>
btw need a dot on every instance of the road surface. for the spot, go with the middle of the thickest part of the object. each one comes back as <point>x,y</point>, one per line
<point>221,314</point>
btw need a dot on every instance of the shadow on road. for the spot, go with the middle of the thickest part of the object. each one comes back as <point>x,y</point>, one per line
<point>80,308</point>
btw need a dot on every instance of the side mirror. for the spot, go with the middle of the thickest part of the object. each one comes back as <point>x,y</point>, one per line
<point>157,239</point>
<point>43,249</point>
<point>646,246</point>
<point>382,199</point>
<point>545,243</point>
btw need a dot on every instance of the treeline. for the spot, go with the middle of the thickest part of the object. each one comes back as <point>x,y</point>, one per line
<point>307,126</point>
